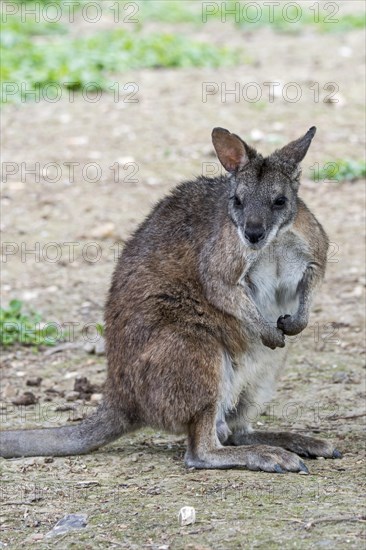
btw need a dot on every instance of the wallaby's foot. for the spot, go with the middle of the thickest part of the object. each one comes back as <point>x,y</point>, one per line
<point>291,324</point>
<point>253,457</point>
<point>205,451</point>
<point>309,447</point>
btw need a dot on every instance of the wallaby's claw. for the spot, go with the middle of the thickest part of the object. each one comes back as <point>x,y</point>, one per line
<point>281,322</point>
<point>274,339</point>
<point>290,325</point>
<point>281,317</point>
<point>303,467</point>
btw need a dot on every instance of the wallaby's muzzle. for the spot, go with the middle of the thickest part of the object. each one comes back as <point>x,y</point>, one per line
<point>254,233</point>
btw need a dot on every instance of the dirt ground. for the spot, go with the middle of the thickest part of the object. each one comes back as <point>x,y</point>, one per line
<point>132,490</point>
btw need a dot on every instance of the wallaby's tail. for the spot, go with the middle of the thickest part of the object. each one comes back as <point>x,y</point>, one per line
<point>103,426</point>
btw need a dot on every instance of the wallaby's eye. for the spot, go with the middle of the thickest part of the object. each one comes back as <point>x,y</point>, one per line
<point>280,202</point>
<point>237,201</point>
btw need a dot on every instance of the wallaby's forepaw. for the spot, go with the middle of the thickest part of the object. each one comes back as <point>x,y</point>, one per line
<point>274,459</point>
<point>291,325</point>
<point>274,338</point>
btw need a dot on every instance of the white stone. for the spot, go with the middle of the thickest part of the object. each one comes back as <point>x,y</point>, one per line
<point>186,516</point>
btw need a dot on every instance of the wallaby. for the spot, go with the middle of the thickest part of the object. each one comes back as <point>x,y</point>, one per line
<point>200,303</point>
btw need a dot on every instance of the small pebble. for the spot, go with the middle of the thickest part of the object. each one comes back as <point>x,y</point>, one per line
<point>89,347</point>
<point>87,484</point>
<point>96,397</point>
<point>83,386</point>
<point>78,141</point>
<point>68,523</point>
<point>38,536</point>
<point>186,516</point>
<point>345,51</point>
<point>71,374</point>
<point>35,382</point>
<point>28,398</point>
<point>103,231</point>
<point>256,135</point>
<point>65,408</point>
<point>72,396</point>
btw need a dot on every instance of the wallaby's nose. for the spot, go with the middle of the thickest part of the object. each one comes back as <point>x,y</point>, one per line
<point>254,233</point>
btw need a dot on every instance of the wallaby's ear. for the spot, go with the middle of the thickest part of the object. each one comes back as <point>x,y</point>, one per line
<point>232,152</point>
<point>296,150</point>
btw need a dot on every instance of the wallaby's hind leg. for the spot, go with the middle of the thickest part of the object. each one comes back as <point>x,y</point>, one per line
<point>205,451</point>
<point>300,444</point>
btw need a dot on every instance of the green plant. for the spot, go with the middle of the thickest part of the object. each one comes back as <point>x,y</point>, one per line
<point>171,11</point>
<point>293,18</point>
<point>26,329</point>
<point>340,170</point>
<point>346,22</point>
<point>100,329</point>
<point>28,65</point>
<point>38,1</point>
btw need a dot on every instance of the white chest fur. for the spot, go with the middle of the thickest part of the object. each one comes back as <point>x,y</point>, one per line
<point>271,279</point>
<point>273,276</point>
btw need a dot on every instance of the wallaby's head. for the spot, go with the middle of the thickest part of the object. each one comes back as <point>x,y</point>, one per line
<point>264,190</point>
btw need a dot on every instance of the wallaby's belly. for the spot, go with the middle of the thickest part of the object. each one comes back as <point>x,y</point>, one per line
<point>250,379</point>
<point>272,280</point>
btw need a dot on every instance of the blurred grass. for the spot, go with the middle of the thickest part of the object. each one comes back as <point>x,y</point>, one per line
<point>340,170</point>
<point>17,327</point>
<point>192,11</point>
<point>36,54</point>
<point>89,60</point>
<point>170,11</point>
<point>322,17</point>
